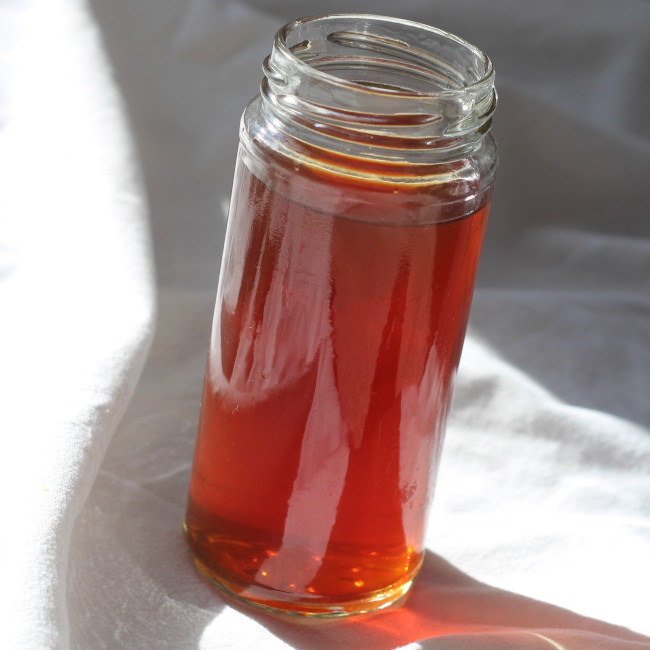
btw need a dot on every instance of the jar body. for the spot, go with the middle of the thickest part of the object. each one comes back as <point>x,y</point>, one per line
<point>341,311</point>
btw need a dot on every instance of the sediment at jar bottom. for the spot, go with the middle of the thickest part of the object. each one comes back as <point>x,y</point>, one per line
<point>343,593</point>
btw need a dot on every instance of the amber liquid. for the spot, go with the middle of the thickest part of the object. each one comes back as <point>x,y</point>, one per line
<point>334,348</point>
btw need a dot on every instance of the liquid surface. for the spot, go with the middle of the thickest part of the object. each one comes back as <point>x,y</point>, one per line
<point>334,348</point>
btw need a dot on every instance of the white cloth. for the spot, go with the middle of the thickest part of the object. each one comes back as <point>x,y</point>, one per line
<point>76,298</point>
<point>540,531</point>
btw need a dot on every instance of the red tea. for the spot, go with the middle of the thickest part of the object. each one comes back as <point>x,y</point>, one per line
<point>334,349</point>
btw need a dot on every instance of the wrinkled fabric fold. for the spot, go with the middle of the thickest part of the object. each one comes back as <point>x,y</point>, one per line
<point>76,294</point>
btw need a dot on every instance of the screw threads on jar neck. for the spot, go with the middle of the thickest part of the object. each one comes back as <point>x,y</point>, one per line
<point>378,87</point>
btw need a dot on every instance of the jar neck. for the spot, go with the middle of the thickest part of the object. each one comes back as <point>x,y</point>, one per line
<point>378,88</point>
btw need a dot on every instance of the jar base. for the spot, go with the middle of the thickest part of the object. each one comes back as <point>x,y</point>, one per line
<point>293,605</point>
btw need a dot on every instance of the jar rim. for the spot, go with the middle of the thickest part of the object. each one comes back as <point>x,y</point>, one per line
<point>375,87</point>
<point>486,79</point>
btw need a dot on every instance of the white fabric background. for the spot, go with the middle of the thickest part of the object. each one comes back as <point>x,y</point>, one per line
<point>540,533</point>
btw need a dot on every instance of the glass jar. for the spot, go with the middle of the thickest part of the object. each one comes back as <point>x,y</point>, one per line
<point>361,192</point>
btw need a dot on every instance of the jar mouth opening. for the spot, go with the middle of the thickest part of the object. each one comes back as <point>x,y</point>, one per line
<point>384,56</point>
<point>377,87</point>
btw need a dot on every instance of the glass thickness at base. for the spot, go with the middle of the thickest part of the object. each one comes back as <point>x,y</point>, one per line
<point>308,604</point>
